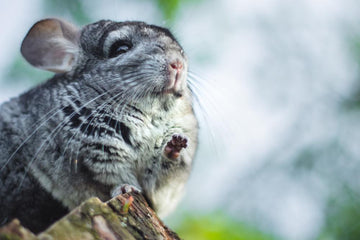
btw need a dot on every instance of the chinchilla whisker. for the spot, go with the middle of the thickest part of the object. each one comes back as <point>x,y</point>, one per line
<point>205,90</point>
<point>52,135</point>
<point>92,117</point>
<point>203,96</point>
<point>27,139</point>
<point>37,129</point>
<point>195,92</point>
<point>133,100</point>
<point>55,109</point>
<point>207,84</point>
<point>124,103</point>
<point>52,110</point>
<point>63,123</point>
<point>57,128</point>
<point>204,100</point>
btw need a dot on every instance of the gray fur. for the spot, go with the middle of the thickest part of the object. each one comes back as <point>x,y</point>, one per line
<point>100,125</point>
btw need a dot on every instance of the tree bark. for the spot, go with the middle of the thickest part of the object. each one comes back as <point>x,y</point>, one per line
<point>126,216</point>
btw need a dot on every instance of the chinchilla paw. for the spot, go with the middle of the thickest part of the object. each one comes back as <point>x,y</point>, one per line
<point>174,146</point>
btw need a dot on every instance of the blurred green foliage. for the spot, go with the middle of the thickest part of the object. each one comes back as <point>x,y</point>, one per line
<point>342,217</point>
<point>352,102</point>
<point>342,211</point>
<point>168,8</point>
<point>20,71</point>
<point>218,226</point>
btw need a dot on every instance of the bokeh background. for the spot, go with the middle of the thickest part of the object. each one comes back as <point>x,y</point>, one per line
<point>279,92</point>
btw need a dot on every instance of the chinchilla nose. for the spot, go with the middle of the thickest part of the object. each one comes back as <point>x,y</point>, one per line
<point>177,65</point>
<point>176,68</point>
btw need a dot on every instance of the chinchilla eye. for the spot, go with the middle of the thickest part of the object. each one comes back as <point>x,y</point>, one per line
<point>119,47</point>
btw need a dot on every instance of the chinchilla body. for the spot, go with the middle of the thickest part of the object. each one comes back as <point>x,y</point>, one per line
<point>110,117</point>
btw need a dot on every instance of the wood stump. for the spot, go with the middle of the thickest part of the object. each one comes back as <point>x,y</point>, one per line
<point>126,216</point>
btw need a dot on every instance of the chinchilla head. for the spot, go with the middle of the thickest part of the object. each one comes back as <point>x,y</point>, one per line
<point>132,60</point>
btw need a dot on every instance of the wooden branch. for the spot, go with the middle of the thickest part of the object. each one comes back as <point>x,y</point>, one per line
<point>126,216</point>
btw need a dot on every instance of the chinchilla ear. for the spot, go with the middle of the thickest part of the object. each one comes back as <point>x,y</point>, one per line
<point>51,44</point>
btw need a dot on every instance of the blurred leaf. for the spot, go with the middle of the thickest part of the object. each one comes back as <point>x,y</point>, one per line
<point>343,217</point>
<point>352,102</point>
<point>169,8</point>
<point>218,226</point>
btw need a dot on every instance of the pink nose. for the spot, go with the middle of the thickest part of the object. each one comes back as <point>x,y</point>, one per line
<point>177,65</point>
